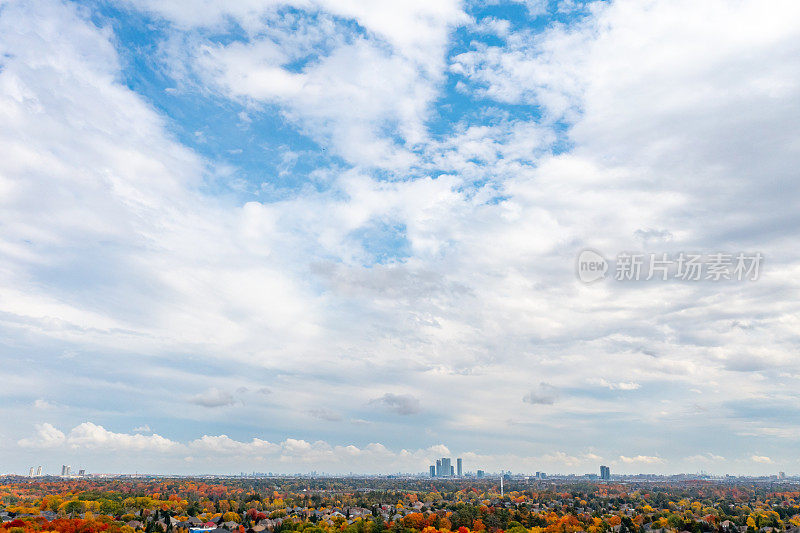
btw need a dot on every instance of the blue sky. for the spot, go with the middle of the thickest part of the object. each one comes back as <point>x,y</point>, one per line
<point>341,236</point>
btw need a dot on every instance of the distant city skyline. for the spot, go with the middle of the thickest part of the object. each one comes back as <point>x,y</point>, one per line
<point>604,474</point>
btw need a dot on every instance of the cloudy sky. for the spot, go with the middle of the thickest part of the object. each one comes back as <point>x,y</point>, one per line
<point>341,235</point>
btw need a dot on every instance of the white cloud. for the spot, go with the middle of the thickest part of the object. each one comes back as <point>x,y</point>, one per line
<point>325,414</point>
<point>642,459</point>
<point>618,385</point>
<point>705,458</point>
<point>336,96</point>
<point>213,397</point>
<point>43,404</point>
<point>47,436</point>
<point>97,439</point>
<point>224,444</point>
<point>543,394</point>
<point>89,435</point>
<point>763,459</point>
<point>402,404</point>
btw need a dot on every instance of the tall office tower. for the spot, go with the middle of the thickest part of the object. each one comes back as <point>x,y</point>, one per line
<point>446,468</point>
<point>459,467</point>
<point>63,470</point>
<point>480,473</point>
<point>605,472</point>
<point>438,467</point>
<point>452,471</point>
<point>81,472</point>
<point>538,475</point>
<point>38,471</point>
<point>30,473</point>
<point>433,471</point>
<point>69,470</point>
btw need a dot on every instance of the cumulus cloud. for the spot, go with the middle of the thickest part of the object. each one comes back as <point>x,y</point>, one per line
<point>97,439</point>
<point>705,458</point>
<point>763,459</point>
<point>224,444</point>
<point>43,404</point>
<point>325,414</point>
<point>335,97</point>
<point>618,385</point>
<point>642,459</point>
<point>213,397</point>
<point>401,404</point>
<point>89,435</point>
<point>543,394</point>
<point>47,436</point>
<point>92,436</point>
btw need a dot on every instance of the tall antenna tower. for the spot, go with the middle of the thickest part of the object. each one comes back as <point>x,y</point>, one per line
<point>501,485</point>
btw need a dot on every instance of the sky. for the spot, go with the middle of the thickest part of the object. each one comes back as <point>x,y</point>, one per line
<point>341,235</point>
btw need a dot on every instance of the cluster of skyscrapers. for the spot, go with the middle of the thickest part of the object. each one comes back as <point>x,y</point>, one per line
<point>443,468</point>
<point>66,471</point>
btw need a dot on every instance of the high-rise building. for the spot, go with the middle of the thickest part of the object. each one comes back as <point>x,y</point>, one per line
<point>63,470</point>
<point>452,471</point>
<point>438,467</point>
<point>69,470</point>
<point>39,470</point>
<point>81,472</point>
<point>480,473</point>
<point>433,471</point>
<point>459,467</point>
<point>447,469</point>
<point>605,472</point>
<point>30,473</point>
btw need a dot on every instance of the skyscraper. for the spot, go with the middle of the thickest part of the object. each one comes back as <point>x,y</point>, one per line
<point>480,473</point>
<point>63,470</point>
<point>81,472</point>
<point>30,473</point>
<point>39,471</point>
<point>438,467</point>
<point>459,467</point>
<point>447,469</point>
<point>605,472</point>
<point>433,471</point>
